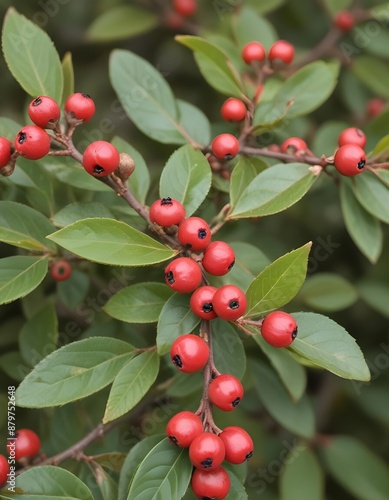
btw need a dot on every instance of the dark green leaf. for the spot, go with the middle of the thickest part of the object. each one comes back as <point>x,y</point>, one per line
<point>74,290</point>
<point>228,349</point>
<point>335,6</point>
<point>113,461</point>
<point>109,241</point>
<point>14,365</point>
<point>107,485</point>
<point>9,128</point>
<point>80,210</point>
<point>74,372</point>
<point>244,172</point>
<point>68,76</point>
<point>265,6</point>
<point>375,294</point>
<point>237,489</point>
<point>372,72</point>
<point>326,138</point>
<point>373,195</point>
<point>249,26</point>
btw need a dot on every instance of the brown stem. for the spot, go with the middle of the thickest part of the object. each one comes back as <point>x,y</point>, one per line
<point>285,157</point>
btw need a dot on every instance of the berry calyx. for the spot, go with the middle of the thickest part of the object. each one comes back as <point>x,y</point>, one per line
<point>201,302</point>
<point>253,51</point>
<point>282,50</point>
<point>194,233</point>
<point>5,151</point>
<point>375,106</point>
<point>225,146</point>
<point>183,275</point>
<point>233,110</point>
<point>279,329</point>
<point>27,444</point>
<point>4,470</point>
<point>344,20</point>
<point>219,258</point>
<point>207,451</point>
<point>80,106</point>
<point>293,144</point>
<point>225,392</point>
<point>32,142</point>
<point>350,160</point>
<point>352,135</point>
<point>189,353</point>
<point>229,302</point>
<point>183,428</point>
<point>214,484</point>
<point>100,158</point>
<point>44,111</point>
<point>238,444</point>
<point>185,7</point>
<point>61,270</point>
<point>167,212</point>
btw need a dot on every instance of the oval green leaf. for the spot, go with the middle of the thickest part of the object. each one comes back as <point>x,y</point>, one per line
<point>373,195</point>
<point>195,122</point>
<point>372,72</point>
<point>243,174</point>
<point>228,350</point>
<point>68,76</point>
<point>249,26</point>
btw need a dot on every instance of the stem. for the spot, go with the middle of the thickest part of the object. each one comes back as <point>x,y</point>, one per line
<point>285,157</point>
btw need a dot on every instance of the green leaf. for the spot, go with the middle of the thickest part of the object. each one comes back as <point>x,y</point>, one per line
<point>195,122</point>
<point>329,346</point>
<point>20,275</point>
<point>326,137</point>
<point>48,483</point>
<point>140,303</point>
<point>228,350</point>
<point>139,182</point>
<point>121,22</point>
<point>302,93</point>
<point>274,190</point>
<point>237,489</point>
<point>265,6</point>
<point>373,195</point>
<point>80,210</point>
<point>364,229</point>
<point>176,319</point>
<point>372,72</point>
<point>187,178</point>
<point>39,336</point>
<point>328,292</point>
<point>107,485</point>
<point>31,57</point>
<point>215,66</point>
<point>244,172</point>
<point>131,384</point>
<point>9,128</point>
<point>335,6</point>
<point>278,283</point>
<point>164,473</point>
<point>249,26</point>
<point>74,372</point>
<point>382,147</point>
<point>24,227</point>
<point>68,76</point>
<point>302,476</point>
<point>109,241</point>
<point>357,468</point>
<point>297,417</point>
<point>74,290</point>
<point>14,365</point>
<point>376,295</point>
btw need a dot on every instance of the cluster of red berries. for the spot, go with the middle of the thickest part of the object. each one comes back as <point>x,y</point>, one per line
<point>255,52</point>
<point>350,158</point>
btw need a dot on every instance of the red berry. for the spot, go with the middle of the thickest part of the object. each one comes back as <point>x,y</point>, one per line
<point>282,50</point>
<point>183,275</point>
<point>238,443</point>
<point>32,142</point>
<point>229,302</point>
<point>225,392</point>
<point>279,329</point>
<point>27,444</point>
<point>201,302</point>
<point>233,110</point>
<point>219,258</point>
<point>350,160</point>
<point>194,233</point>
<point>207,451</point>
<point>185,7</point>
<point>253,51</point>
<point>61,270</point>
<point>344,20</point>
<point>375,106</point>
<point>100,158</point>
<point>352,136</point>
<point>293,144</point>
<point>189,353</point>
<point>183,428</point>
<point>44,111</point>
<point>4,470</point>
<point>225,146</point>
<point>80,106</point>
<point>5,151</point>
<point>214,484</point>
<point>167,212</point>
<point>173,20</point>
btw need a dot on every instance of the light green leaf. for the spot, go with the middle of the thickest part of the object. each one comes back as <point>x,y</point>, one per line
<point>74,372</point>
<point>187,178</point>
<point>274,190</point>
<point>164,473</point>
<point>355,467</point>
<point>195,122</point>
<point>372,72</point>
<point>121,22</point>
<point>329,346</point>
<point>140,303</point>
<point>131,384</point>
<point>278,283</point>
<point>373,195</point>
<point>80,210</point>
<point>326,137</point>
<point>382,148</point>
<point>249,26</point>
<point>228,350</point>
<point>31,57</point>
<point>68,76</point>
<point>335,6</point>
<point>265,6</point>
<point>243,174</point>
<point>20,275</point>
<point>9,128</point>
<point>109,241</point>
